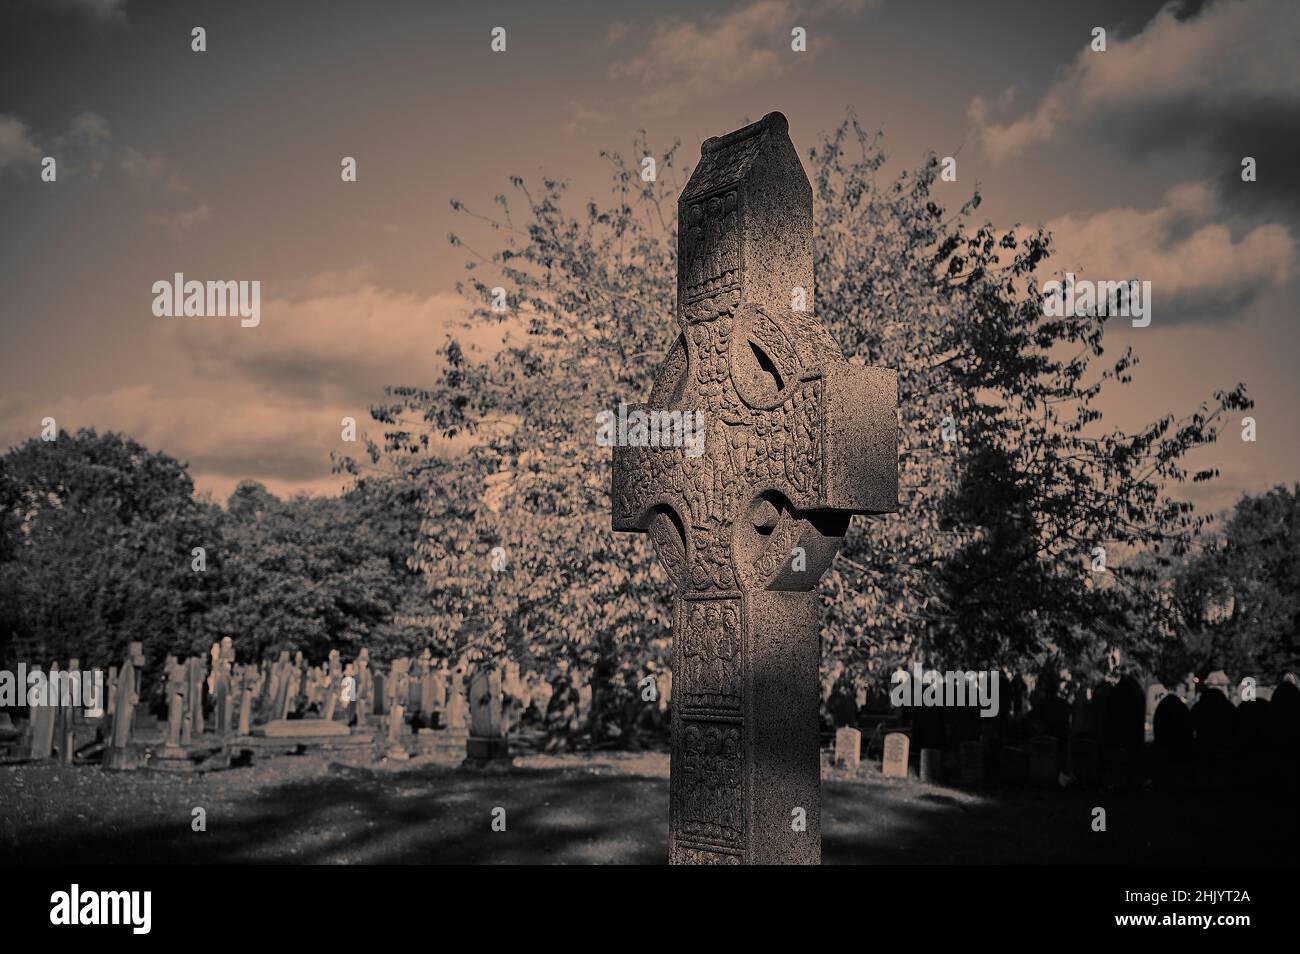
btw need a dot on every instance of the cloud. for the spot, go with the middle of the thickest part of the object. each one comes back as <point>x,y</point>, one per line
<point>104,11</point>
<point>178,224</point>
<point>78,148</point>
<point>150,173</point>
<point>686,61</point>
<point>1225,81</point>
<point>327,341</point>
<point>1197,269</point>
<point>16,146</point>
<point>266,403</point>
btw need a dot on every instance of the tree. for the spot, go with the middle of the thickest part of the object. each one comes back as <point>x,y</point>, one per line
<point>986,564</point>
<point>1238,600</point>
<point>314,574</point>
<point>99,535</point>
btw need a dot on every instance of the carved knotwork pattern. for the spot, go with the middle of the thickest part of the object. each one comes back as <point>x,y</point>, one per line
<point>702,856</point>
<point>747,448</point>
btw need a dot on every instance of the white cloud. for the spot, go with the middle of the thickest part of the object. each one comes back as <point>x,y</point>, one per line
<point>178,224</point>
<point>16,146</point>
<point>1196,267</point>
<point>686,61</point>
<point>1190,71</point>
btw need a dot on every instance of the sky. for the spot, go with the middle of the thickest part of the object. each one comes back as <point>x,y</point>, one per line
<point>225,165</point>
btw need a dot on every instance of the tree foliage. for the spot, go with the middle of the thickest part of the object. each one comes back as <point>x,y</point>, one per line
<point>987,563</point>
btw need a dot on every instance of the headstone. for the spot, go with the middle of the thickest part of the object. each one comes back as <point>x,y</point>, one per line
<point>178,688</point>
<point>440,681</point>
<point>1285,703</point>
<point>224,694</point>
<point>1212,718</point>
<point>931,765</point>
<point>297,671</point>
<point>426,684</point>
<point>1171,725</point>
<point>848,748</point>
<point>1124,732</point>
<point>795,440</point>
<point>301,728</point>
<point>487,739</point>
<point>42,715</point>
<point>117,753</point>
<point>1155,693</point>
<point>365,689</point>
<point>198,676</point>
<point>248,680</point>
<point>457,707</point>
<point>1125,716</point>
<point>400,686</point>
<point>333,684</point>
<point>894,763</point>
<point>1253,730</point>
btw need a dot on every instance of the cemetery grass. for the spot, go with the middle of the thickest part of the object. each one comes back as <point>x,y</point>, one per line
<point>590,808</point>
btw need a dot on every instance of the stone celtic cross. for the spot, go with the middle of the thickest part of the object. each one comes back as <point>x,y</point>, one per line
<point>796,441</point>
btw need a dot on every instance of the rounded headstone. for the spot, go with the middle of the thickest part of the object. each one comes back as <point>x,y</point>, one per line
<point>1212,717</point>
<point>1285,705</point>
<point>1254,727</point>
<point>1172,724</point>
<point>1125,716</point>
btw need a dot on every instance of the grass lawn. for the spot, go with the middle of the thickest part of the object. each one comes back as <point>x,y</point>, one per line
<point>582,809</point>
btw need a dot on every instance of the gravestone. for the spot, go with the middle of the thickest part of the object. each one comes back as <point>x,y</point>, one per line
<point>426,685</point>
<point>365,689</point>
<point>795,441</point>
<point>1172,726</point>
<point>894,762</point>
<point>930,765</point>
<point>198,677</point>
<point>178,688</point>
<point>1212,716</point>
<point>1286,715</point>
<point>117,753</point>
<point>1124,732</point>
<point>457,708</point>
<point>1155,693</point>
<point>280,698</point>
<point>248,679</point>
<point>224,695</point>
<point>400,684</point>
<point>848,748</point>
<point>487,740</point>
<point>43,713</point>
<point>1254,730</point>
<point>440,680</point>
<point>333,685</point>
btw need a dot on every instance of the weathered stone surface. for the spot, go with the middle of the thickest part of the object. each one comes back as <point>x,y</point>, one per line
<point>301,728</point>
<point>796,440</point>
